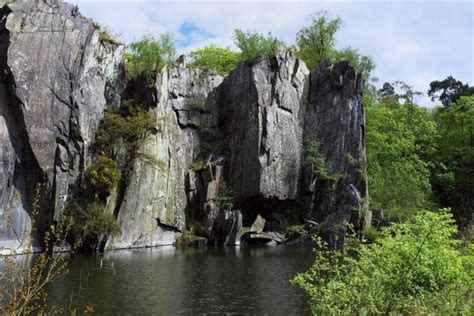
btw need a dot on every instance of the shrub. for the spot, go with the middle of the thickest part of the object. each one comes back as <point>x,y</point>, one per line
<point>143,57</point>
<point>103,175</point>
<point>87,221</point>
<point>254,45</point>
<point>415,267</point>
<point>129,125</point>
<point>206,130</point>
<point>220,59</point>
<point>315,161</point>
<point>198,165</point>
<point>225,199</point>
<point>371,234</point>
<point>198,105</point>
<point>105,37</point>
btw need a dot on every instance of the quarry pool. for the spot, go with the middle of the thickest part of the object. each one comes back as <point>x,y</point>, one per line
<point>168,281</point>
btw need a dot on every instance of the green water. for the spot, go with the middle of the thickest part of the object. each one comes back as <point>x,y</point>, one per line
<point>166,281</point>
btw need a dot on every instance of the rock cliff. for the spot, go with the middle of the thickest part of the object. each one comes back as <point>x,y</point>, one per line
<point>57,77</point>
<point>229,148</point>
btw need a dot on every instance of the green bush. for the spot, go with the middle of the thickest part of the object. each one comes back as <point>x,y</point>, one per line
<point>87,221</point>
<point>371,233</point>
<point>315,161</point>
<point>105,37</point>
<point>255,45</point>
<point>414,268</point>
<point>401,147</point>
<point>225,199</point>
<point>198,105</point>
<point>220,59</point>
<point>198,165</point>
<point>129,125</point>
<point>103,175</point>
<point>145,56</point>
<point>206,130</point>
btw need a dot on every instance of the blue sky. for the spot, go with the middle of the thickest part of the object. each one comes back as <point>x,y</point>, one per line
<point>413,41</point>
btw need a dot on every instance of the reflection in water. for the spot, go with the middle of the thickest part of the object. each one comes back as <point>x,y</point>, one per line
<point>166,281</point>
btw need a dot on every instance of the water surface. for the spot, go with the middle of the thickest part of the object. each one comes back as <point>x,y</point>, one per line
<point>167,281</point>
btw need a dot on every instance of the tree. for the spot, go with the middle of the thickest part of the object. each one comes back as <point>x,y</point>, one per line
<point>363,64</point>
<point>144,56</point>
<point>316,42</point>
<point>254,45</point>
<point>453,179</point>
<point>449,90</point>
<point>388,95</point>
<point>223,60</point>
<point>401,144</point>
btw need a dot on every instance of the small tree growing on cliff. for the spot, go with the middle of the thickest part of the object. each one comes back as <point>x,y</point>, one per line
<point>220,59</point>
<point>254,45</point>
<point>315,161</point>
<point>144,56</point>
<point>316,42</point>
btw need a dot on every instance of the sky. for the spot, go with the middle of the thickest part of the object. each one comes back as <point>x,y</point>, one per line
<point>413,41</point>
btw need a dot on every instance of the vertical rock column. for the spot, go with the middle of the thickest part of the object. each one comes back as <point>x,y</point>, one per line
<point>261,117</point>
<point>57,77</point>
<point>335,118</point>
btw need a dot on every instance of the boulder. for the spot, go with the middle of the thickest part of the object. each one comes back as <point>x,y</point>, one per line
<point>258,225</point>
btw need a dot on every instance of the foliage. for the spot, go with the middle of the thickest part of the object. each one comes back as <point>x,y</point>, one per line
<point>295,231</point>
<point>144,56</point>
<point>315,161</point>
<point>129,125</point>
<point>23,279</point>
<point>88,221</point>
<point>449,90</point>
<point>414,268</point>
<point>198,165</point>
<point>363,64</point>
<point>225,200</point>
<point>103,174</point>
<point>453,178</point>
<point>206,130</point>
<point>401,144</point>
<point>198,105</point>
<point>105,37</point>
<point>254,45</point>
<point>371,234</point>
<point>316,42</point>
<point>223,60</point>
<point>191,236</point>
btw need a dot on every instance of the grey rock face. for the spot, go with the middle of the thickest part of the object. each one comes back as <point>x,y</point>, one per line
<point>153,211</point>
<point>57,77</point>
<point>262,109</point>
<point>258,225</point>
<point>335,118</point>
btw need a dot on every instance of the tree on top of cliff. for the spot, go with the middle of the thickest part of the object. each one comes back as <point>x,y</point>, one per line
<point>254,45</point>
<point>221,59</point>
<point>146,55</point>
<point>317,42</point>
<point>449,90</point>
